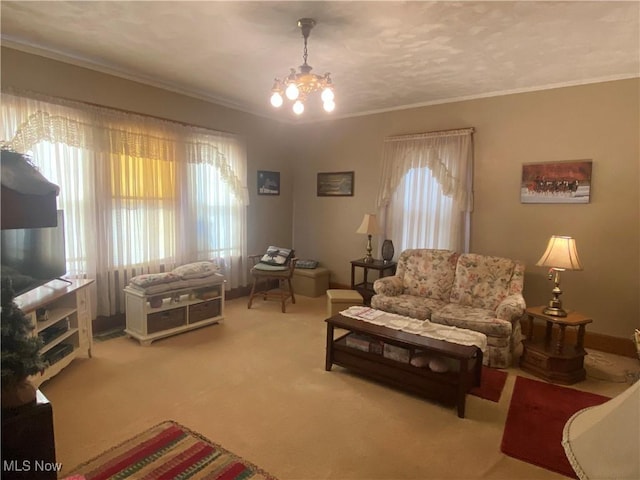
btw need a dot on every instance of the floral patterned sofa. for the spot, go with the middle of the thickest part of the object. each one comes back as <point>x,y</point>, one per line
<point>476,292</point>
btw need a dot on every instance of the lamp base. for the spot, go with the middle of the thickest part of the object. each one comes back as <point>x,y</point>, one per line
<point>368,258</point>
<point>554,311</point>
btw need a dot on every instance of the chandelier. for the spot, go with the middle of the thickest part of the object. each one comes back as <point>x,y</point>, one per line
<point>298,86</point>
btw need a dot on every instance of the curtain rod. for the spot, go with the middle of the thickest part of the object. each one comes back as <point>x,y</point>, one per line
<point>437,133</point>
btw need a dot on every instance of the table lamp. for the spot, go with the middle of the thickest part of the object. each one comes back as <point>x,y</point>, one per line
<point>369,226</point>
<point>561,255</point>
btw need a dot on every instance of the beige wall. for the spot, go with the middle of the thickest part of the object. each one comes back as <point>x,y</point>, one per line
<point>598,122</point>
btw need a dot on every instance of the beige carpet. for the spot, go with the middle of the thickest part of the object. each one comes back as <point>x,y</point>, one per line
<point>256,384</point>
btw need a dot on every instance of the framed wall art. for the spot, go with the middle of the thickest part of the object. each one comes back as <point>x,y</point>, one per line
<point>335,184</point>
<point>268,183</point>
<point>556,182</point>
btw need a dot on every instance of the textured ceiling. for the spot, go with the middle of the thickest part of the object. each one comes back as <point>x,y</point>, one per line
<point>382,55</point>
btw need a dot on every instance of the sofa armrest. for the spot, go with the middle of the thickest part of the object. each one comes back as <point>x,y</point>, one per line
<point>389,286</point>
<point>511,308</point>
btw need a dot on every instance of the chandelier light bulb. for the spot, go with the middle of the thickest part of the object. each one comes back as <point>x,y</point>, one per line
<point>292,91</point>
<point>276,99</point>
<point>329,106</point>
<point>327,95</point>
<point>298,107</point>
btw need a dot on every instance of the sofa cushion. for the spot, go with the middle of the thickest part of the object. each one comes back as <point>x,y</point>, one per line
<point>481,281</point>
<point>427,273</point>
<point>472,318</point>
<point>407,305</point>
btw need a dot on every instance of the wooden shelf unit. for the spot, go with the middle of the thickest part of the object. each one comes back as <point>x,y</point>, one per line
<point>64,311</point>
<point>181,310</point>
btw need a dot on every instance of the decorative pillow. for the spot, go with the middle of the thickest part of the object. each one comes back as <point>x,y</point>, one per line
<point>149,279</point>
<point>438,365</point>
<point>420,360</point>
<point>277,256</point>
<point>196,270</point>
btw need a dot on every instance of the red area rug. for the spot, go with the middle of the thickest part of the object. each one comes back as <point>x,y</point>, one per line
<point>536,418</point>
<point>491,384</point>
<point>168,451</point>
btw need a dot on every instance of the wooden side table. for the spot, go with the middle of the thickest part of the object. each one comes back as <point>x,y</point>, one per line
<point>549,358</point>
<point>365,288</point>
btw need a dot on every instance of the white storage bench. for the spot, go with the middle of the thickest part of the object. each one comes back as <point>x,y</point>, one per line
<point>310,282</point>
<point>165,304</point>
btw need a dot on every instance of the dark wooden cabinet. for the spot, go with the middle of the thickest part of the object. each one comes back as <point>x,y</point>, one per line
<point>28,446</point>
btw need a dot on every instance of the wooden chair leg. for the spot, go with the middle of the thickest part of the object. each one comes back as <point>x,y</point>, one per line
<point>253,290</point>
<point>293,297</point>
<point>283,297</point>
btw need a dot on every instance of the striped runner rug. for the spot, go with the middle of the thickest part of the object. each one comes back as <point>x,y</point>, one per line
<point>168,451</point>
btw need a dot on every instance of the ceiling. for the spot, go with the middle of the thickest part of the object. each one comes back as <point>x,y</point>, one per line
<point>383,55</point>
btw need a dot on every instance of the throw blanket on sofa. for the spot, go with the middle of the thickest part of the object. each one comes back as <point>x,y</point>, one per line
<point>425,328</point>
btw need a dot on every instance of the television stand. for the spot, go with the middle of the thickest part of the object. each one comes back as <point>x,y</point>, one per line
<point>62,319</point>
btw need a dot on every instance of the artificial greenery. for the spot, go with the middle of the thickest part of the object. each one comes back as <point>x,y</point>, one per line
<point>20,355</point>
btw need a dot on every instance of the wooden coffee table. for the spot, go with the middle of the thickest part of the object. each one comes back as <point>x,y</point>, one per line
<point>448,387</point>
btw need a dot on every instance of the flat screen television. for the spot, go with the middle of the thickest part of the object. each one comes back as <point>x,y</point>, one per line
<point>33,256</point>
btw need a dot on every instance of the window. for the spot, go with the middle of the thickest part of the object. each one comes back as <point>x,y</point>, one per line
<point>140,195</point>
<point>425,195</point>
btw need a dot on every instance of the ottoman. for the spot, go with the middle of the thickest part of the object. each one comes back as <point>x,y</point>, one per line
<point>310,282</point>
<point>338,300</point>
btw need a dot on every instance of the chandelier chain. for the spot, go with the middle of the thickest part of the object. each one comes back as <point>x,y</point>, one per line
<point>304,55</point>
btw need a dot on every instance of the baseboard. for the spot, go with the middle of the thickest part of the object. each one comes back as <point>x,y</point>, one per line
<point>596,341</point>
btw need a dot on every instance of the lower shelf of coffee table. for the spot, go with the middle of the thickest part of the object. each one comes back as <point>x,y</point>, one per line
<point>421,381</point>
<point>448,387</point>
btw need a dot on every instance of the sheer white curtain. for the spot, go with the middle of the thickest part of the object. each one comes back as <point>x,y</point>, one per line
<point>425,197</point>
<point>140,195</point>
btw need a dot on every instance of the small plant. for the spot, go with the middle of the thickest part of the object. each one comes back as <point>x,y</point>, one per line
<point>20,355</point>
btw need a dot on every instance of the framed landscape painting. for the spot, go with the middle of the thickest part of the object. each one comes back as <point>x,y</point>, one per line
<point>556,182</point>
<point>335,184</point>
<point>268,183</point>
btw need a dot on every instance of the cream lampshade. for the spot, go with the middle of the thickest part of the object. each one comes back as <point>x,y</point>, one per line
<point>369,226</point>
<point>561,255</point>
<point>603,441</point>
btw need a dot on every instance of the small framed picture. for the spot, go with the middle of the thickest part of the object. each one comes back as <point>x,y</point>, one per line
<point>268,183</point>
<point>556,182</point>
<point>335,184</point>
